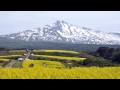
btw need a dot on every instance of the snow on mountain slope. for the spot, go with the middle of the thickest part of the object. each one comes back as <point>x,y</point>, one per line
<point>61,31</point>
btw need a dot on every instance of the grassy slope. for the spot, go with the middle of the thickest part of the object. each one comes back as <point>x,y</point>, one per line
<point>17,64</point>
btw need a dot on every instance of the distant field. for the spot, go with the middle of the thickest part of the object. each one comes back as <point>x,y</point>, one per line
<point>38,63</point>
<point>61,57</point>
<point>4,59</point>
<point>60,51</point>
<point>47,67</point>
<point>18,51</point>
<point>9,56</point>
<point>64,54</point>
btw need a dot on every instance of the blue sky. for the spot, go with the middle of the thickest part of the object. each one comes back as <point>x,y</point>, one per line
<point>16,21</point>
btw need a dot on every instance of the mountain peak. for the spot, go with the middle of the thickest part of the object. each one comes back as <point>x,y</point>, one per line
<point>61,31</point>
<point>57,22</point>
<point>60,21</point>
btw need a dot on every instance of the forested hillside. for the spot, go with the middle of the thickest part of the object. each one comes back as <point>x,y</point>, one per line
<point>17,44</point>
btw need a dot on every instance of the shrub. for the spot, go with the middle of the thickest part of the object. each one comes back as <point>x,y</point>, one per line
<point>31,65</point>
<point>97,62</point>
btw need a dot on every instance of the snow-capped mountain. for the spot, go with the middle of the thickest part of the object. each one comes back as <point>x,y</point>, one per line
<point>61,31</point>
<point>116,33</point>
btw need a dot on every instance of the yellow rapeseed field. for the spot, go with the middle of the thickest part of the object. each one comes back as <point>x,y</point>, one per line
<point>37,63</point>
<point>56,70</point>
<point>60,51</point>
<point>18,51</point>
<point>4,59</point>
<point>9,56</point>
<point>64,73</point>
<point>61,57</point>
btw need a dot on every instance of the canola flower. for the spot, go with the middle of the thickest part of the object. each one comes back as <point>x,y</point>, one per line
<point>4,59</point>
<point>37,63</point>
<point>60,51</point>
<point>56,70</point>
<point>63,73</point>
<point>17,51</point>
<point>9,56</point>
<point>61,57</point>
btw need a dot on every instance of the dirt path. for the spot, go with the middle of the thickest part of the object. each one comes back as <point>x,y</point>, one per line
<point>17,64</point>
<point>9,64</point>
<point>28,54</point>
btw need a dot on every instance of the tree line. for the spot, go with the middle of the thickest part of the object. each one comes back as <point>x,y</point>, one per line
<point>110,54</point>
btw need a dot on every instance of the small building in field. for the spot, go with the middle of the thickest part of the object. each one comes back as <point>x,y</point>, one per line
<point>24,54</point>
<point>20,59</point>
<point>32,54</point>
